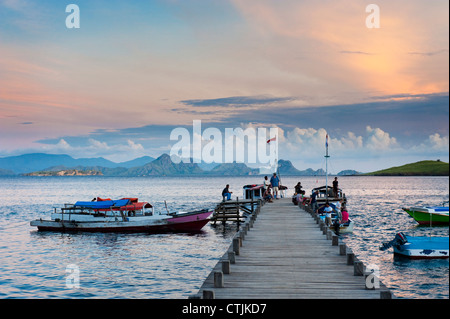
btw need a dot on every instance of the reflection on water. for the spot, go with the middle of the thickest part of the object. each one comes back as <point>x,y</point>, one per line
<point>33,264</point>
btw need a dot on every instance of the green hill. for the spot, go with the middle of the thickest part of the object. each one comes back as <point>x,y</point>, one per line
<point>422,168</point>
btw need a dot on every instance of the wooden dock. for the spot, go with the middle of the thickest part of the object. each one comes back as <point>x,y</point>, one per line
<point>280,253</point>
<point>235,211</point>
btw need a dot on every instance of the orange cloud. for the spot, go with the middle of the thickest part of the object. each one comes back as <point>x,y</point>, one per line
<point>336,47</point>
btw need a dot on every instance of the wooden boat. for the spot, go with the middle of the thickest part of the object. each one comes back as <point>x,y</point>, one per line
<point>124,215</point>
<point>326,195</point>
<point>419,247</point>
<point>254,191</point>
<point>346,227</point>
<point>429,215</point>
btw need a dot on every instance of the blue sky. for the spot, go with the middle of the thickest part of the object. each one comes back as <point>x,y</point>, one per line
<point>134,71</point>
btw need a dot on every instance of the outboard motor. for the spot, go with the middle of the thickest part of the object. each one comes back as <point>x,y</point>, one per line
<point>399,239</point>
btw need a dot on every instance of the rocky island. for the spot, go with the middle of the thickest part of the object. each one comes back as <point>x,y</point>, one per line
<point>68,172</point>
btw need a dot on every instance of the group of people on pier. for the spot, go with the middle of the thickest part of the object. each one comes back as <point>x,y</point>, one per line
<point>338,206</point>
<point>272,189</point>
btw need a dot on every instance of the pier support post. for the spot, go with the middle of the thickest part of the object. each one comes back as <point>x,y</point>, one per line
<point>218,279</point>
<point>226,267</point>
<point>232,257</point>
<point>208,294</point>
<point>236,245</point>
<point>386,294</point>
<point>350,257</point>
<point>358,268</point>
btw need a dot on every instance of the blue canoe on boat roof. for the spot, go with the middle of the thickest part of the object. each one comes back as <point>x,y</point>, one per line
<point>103,204</point>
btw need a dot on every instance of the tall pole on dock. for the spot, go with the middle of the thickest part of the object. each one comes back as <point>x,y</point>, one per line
<point>326,166</point>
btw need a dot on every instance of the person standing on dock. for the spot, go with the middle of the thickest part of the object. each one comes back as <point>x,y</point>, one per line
<point>313,201</point>
<point>266,182</point>
<point>275,182</point>
<point>335,188</point>
<point>226,193</point>
<point>298,188</point>
<point>328,210</point>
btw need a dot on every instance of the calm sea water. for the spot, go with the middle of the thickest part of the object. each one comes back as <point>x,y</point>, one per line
<point>34,264</point>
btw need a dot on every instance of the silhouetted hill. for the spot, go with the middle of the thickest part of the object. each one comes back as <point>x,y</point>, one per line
<point>422,168</point>
<point>163,166</point>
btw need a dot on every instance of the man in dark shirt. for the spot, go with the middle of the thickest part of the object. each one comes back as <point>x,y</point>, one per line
<point>275,182</point>
<point>335,188</point>
<point>313,202</point>
<point>226,193</point>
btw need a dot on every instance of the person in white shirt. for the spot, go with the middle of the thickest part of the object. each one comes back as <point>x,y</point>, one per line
<point>328,210</point>
<point>266,182</point>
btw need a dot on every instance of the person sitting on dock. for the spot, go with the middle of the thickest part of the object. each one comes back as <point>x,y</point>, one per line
<point>226,193</point>
<point>268,195</point>
<point>298,195</point>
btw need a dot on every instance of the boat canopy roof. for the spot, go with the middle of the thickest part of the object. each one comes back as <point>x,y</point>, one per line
<point>323,188</point>
<point>127,204</point>
<point>253,186</point>
<point>103,204</point>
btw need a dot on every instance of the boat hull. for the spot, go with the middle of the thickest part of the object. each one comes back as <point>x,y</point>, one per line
<point>343,228</point>
<point>424,248</point>
<point>426,216</point>
<point>189,222</point>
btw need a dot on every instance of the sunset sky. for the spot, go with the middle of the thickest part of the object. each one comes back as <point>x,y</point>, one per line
<point>135,70</point>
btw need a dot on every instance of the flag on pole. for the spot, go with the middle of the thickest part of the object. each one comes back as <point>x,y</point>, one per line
<point>273,139</point>
<point>326,141</point>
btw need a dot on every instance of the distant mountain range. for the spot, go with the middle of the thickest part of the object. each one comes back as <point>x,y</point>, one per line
<point>39,164</point>
<point>48,165</point>
<point>28,163</point>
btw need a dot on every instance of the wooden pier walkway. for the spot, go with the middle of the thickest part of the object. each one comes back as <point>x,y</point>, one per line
<point>283,254</point>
